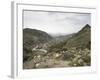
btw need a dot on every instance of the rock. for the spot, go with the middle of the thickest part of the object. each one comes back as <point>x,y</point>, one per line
<point>38,56</point>
<point>57,55</point>
<point>78,56</point>
<point>74,64</point>
<point>80,61</point>
<point>37,65</point>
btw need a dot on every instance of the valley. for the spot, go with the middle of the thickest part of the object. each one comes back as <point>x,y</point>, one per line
<point>42,50</point>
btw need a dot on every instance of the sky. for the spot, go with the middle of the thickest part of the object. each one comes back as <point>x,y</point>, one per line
<point>56,22</point>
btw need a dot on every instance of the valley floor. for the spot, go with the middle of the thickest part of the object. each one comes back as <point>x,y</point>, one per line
<point>69,58</point>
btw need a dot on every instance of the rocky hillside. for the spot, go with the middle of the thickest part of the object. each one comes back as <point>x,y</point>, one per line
<point>33,38</point>
<point>82,39</point>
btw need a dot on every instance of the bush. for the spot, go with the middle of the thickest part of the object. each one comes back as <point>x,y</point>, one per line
<point>67,56</point>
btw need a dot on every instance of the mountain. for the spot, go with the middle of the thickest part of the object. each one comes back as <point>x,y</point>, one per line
<point>33,38</point>
<point>81,39</point>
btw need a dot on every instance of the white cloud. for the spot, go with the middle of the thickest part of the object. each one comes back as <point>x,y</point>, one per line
<point>56,22</point>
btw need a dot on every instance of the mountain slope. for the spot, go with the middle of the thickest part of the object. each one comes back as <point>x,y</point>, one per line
<point>31,39</point>
<point>82,39</point>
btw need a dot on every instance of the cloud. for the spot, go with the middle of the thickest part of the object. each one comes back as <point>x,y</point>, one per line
<point>56,22</point>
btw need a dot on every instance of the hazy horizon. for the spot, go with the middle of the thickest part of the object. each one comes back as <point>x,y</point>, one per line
<point>56,22</point>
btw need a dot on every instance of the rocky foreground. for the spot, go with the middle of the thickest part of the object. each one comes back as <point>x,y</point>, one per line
<point>65,58</point>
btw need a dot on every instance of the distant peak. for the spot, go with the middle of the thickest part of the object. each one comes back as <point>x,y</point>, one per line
<point>87,25</point>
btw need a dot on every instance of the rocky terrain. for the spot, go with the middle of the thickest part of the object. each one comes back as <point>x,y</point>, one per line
<point>41,50</point>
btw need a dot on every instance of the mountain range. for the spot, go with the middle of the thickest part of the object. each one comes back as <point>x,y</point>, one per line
<point>60,45</point>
